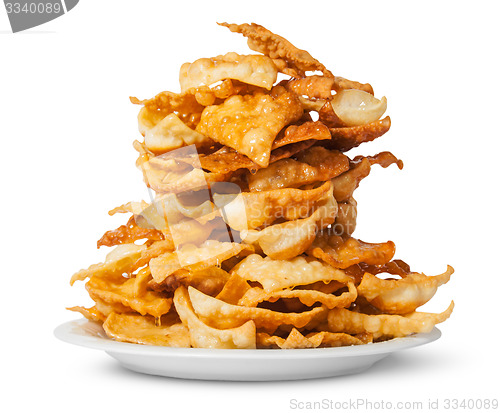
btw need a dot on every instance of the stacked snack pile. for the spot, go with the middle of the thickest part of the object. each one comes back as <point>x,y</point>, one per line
<point>247,239</point>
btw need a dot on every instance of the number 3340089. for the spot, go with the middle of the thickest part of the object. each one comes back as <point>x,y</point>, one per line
<point>33,8</point>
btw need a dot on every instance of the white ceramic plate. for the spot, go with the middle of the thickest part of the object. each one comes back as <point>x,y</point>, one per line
<point>242,365</point>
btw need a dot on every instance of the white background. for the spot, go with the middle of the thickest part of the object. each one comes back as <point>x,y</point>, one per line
<point>67,127</point>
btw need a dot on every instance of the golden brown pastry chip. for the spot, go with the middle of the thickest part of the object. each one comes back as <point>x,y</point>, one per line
<point>126,234</point>
<point>209,310</point>
<point>276,47</point>
<point>143,330</point>
<point>401,296</point>
<point>203,336</point>
<point>255,70</point>
<point>276,275</point>
<point>92,313</point>
<point>342,253</point>
<point>384,325</point>
<point>123,292</point>
<point>250,123</point>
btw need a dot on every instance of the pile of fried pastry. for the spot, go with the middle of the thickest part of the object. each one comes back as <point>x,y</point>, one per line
<point>246,241</point>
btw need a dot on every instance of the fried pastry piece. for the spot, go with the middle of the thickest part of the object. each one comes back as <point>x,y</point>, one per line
<point>143,330</point>
<point>292,140</point>
<point>255,70</point>
<point>345,184</point>
<point>203,336</point>
<point>345,223</point>
<point>308,297</point>
<point>126,234</point>
<point>120,260</point>
<point>250,210</point>
<point>209,281</point>
<point>209,310</point>
<point>276,47</point>
<point>194,258</point>
<point>92,313</point>
<point>289,239</point>
<point>401,296</point>
<point>172,133</point>
<point>356,107</point>
<point>343,252</point>
<point>312,165</point>
<point>384,325</point>
<point>276,275</point>
<point>123,292</point>
<point>249,124</point>
<point>312,340</point>
<point>184,105</point>
<point>314,87</point>
<point>345,138</point>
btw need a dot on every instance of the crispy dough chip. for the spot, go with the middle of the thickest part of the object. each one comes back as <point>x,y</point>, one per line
<point>210,309</point>
<point>314,87</point>
<point>256,295</point>
<point>255,70</point>
<point>289,239</point>
<point>276,275</point>
<point>345,138</point>
<point>401,296</point>
<point>293,140</point>
<point>172,133</point>
<point>345,223</point>
<point>312,340</point>
<point>276,47</point>
<point>234,289</point>
<point>204,336</point>
<point>117,262</point>
<point>345,184</point>
<point>143,330</point>
<point>342,253</point>
<point>126,234</point>
<point>209,281</point>
<point>194,258</point>
<point>263,208</point>
<point>312,165</point>
<point>250,123</point>
<point>92,313</point>
<point>184,105</point>
<point>357,108</point>
<point>123,292</point>
<point>384,325</point>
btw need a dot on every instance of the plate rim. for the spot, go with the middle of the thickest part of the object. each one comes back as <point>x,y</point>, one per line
<point>73,332</point>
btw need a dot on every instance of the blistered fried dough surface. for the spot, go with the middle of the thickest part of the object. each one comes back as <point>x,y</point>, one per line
<point>345,138</point>
<point>123,292</point>
<point>143,330</point>
<point>342,253</point>
<point>312,165</point>
<point>294,140</point>
<point>128,233</point>
<point>247,239</point>
<point>274,275</point>
<point>209,309</point>
<point>256,295</point>
<point>312,340</point>
<point>193,258</point>
<point>350,322</point>
<point>345,184</point>
<point>401,296</point>
<point>290,239</point>
<point>263,208</point>
<point>117,262</point>
<point>255,70</point>
<point>204,336</point>
<point>184,105</point>
<point>249,124</point>
<point>276,47</point>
